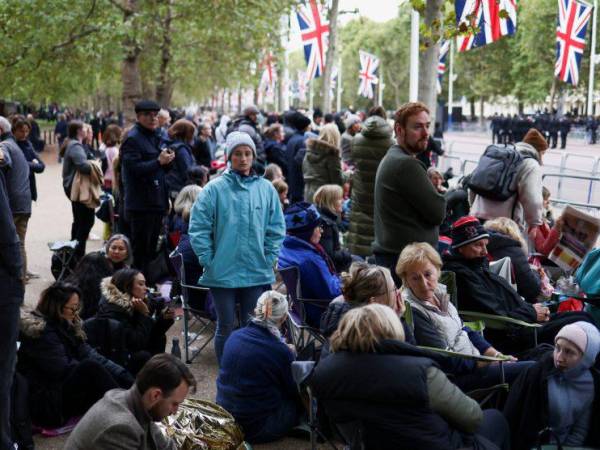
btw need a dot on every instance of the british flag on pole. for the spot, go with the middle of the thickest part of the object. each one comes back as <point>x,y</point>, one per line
<point>492,18</point>
<point>573,17</point>
<point>368,79</point>
<point>444,47</point>
<point>314,31</point>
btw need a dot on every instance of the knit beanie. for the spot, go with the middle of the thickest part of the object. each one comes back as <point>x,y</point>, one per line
<point>301,219</point>
<point>536,140</point>
<point>466,230</point>
<point>237,138</point>
<point>574,334</point>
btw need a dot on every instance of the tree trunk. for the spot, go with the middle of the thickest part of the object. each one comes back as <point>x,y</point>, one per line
<point>164,88</point>
<point>472,105</point>
<point>130,70</point>
<point>428,60</point>
<point>481,115</point>
<point>330,58</point>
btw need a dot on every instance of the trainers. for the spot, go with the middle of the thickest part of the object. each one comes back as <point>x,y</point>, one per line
<point>32,275</point>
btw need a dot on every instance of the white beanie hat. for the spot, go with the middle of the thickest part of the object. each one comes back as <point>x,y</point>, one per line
<point>237,138</point>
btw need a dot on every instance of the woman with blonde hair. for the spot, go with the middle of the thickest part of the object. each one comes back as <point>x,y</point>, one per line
<point>323,161</point>
<point>329,199</point>
<point>255,382</point>
<point>437,323</point>
<point>400,397</point>
<point>505,240</point>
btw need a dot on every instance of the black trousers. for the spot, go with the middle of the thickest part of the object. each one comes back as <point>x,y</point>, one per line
<point>83,221</point>
<point>144,229</point>
<point>389,260</point>
<point>85,385</point>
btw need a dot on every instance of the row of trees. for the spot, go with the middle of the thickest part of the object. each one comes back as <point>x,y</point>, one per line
<point>109,53</point>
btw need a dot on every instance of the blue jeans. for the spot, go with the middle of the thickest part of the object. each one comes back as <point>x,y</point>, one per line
<point>9,330</point>
<point>225,300</point>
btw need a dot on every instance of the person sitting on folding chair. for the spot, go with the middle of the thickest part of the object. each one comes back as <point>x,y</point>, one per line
<point>561,392</point>
<point>255,382</point>
<point>483,291</point>
<point>398,398</point>
<point>364,284</point>
<point>437,323</point>
<point>301,248</point>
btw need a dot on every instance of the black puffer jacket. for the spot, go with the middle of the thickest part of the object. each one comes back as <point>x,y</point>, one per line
<point>49,352</point>
<point>368,149</point>
<point>528,281</point>
<point>388,393</point>
<point>483,291</point>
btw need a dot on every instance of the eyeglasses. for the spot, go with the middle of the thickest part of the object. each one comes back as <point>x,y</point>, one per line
<point>73,309</point>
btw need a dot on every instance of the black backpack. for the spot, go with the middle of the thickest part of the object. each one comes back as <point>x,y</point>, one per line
<point>107,337</point>
<point>496,173</point>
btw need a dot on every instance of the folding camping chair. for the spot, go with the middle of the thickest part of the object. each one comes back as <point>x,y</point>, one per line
<point>200,316</point>
<point>62,258</point>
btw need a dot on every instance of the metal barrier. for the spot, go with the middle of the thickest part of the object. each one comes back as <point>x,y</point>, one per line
<point>591,179</point>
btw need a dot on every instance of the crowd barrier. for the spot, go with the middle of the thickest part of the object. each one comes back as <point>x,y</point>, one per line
<point>558,165</point>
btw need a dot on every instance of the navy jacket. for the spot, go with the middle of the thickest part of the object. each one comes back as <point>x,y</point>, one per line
<point>528,280</point>
<point>255,377</point>
<point>144,179</point>
<point>276,154</point>
<point>177,176</point>
<point>34,167</point>
<point>294,152</point>
<point>10,255</point>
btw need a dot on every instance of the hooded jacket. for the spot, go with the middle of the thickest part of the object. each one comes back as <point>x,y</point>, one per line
<point>481,290</point>
<point>528,203</point>
<point>574,412</point>
<point>49,352</point>
<point>117,305</point>
<point>368,149</point>
<point>528,280</point>
<point>236,229</point>
<point>322,165</point>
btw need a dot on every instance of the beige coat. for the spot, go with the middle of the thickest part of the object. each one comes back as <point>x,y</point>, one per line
<point>88,188</point>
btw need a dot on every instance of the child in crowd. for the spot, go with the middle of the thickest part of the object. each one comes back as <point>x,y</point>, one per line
<point>546,236</point>
<point>282,191</point>
<point>273,172</point>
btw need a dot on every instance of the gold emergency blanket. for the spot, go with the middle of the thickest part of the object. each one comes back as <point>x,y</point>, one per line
<point>203,425</point>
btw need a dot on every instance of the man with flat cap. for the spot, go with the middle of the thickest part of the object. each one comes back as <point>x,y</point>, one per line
<point>144,161</point>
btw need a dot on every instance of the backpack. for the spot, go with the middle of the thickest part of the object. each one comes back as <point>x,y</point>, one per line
<point>495,175</point>
<point>107,337</point>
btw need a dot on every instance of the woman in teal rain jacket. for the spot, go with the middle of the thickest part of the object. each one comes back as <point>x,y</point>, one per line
<point>236,229</point>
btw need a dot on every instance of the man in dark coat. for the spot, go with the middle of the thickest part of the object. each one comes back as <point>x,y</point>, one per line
<point>483,291</point>
<point>10,303</point>
<point>144,164</point>
<point>295,151</point>
<point>564,126</point>
<point>407,206</point>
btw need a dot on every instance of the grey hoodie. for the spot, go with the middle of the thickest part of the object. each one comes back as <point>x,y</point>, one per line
<point>571,393</point>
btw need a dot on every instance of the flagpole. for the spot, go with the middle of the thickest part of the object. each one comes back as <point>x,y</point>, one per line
<point>381,86</point>
<point>450,84</point>
<point>414,57</point>
<point>338,104</point>
<point>590,100</point>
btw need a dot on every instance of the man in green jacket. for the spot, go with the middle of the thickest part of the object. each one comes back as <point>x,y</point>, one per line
<point>407,206</point>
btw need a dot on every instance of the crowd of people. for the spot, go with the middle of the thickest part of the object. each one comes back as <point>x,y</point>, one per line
<point>387,252</point>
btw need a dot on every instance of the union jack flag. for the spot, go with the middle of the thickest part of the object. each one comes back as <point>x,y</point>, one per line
<point>368,66</point>
<point>314,30</point>
<point>444,47</point>
<point>485,15</point>
<point>573,17</point>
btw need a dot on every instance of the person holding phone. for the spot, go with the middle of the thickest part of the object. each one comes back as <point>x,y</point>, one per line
<point>145,161</point>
